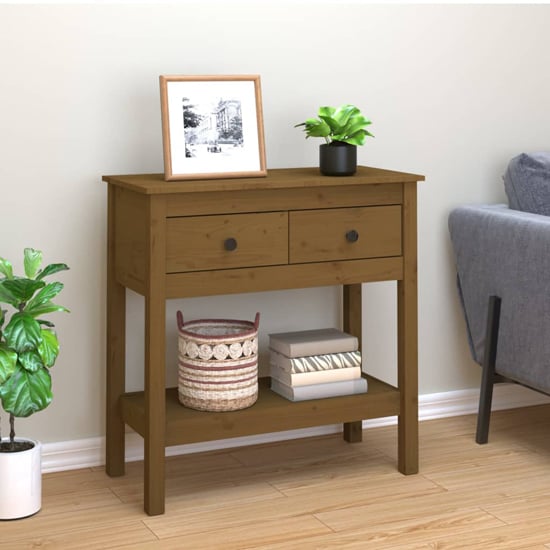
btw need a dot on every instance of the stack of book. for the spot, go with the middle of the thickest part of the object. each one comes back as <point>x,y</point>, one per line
<point>314,364</point>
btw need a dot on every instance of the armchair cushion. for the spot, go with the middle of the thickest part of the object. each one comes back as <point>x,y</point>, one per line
<point>527,183</point>
<point>506,253</point>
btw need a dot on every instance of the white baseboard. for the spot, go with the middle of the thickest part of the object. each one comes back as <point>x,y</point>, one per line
<point>85,453</point>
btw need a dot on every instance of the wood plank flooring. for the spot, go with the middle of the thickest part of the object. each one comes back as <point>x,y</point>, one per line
<point>318,493</point>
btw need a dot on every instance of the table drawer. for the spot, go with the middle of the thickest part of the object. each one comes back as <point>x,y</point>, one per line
<point>223,242</point>
<point>344,233</point>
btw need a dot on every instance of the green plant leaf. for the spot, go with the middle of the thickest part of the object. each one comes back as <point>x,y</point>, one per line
<point>6,296</point>
<point>317,128</point>
<point>344,114</point>
<point>25,393</point>
<point>30,360</point>
<point>49,347</point>
<point>51,269</point>
<point>23,332</point>
<point>356,125</point>
<point>335,128</point>
<point>51,290</point>
<point>8,361</point>
<point>31,262</point>
<point>358,138</point>
<point>22,289</point>
<point>345,123</point>
<point>6,268</point>
<point>326,112</point>
<point>42,309</point>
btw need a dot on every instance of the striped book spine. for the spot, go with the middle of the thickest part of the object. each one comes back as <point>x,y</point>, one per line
<point>315,363</point>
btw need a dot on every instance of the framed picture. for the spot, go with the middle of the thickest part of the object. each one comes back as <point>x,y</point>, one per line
<point>212,127</point>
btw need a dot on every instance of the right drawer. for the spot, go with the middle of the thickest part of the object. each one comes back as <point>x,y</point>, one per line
<point>344,233</point>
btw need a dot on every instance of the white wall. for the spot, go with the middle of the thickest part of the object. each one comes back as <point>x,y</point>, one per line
<point>453,90</point>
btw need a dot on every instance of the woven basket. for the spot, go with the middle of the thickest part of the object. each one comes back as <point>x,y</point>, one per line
<point>217,363</point>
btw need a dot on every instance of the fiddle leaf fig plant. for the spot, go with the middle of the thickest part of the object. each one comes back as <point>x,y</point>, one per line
<point>345,124</point>
<point>28,343</point>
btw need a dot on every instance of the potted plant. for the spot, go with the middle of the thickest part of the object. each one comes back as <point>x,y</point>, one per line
<point>28,349</point>
<point>343,128</point>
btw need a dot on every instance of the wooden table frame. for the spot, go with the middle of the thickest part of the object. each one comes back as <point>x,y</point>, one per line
<point>139,207</point>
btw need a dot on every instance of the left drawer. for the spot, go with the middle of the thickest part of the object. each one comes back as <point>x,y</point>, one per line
<point>200,243</point>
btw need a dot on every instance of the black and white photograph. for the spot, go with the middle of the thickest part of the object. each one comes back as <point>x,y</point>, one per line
<point>212,127</point>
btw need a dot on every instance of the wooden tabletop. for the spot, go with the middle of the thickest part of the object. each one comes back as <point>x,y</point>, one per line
<point>280,178</point>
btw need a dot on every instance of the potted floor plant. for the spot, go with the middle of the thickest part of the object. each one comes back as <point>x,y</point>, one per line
<point>343,128</point>
<point>28,349</point>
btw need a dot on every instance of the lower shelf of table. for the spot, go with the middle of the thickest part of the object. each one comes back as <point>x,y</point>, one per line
<point>271,413</point>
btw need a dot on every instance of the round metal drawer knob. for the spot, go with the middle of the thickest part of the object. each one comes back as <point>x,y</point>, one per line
<point>352,236</point>
<point>230,244</point>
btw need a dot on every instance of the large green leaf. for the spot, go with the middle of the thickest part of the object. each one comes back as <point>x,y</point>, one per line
<point>23,289</point>
<point>357,139</point>
<point>51,269</point>
<point>23,332</point>
<point>341,119</point>
<point>25,393</point>
<point>6,268</point>
<point>316,128</point>
<point>45,294</point>
<point>326,114</point>
<point>48,307</point>
<point>30,360</point>
<point>31,262</point>
<point>8,361</point>
<point>6,295</point>
<point>357,124</point>
<point>326,111</point>
<point>49,347</point>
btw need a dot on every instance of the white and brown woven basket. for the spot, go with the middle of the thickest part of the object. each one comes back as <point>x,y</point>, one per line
<point>217,363</point>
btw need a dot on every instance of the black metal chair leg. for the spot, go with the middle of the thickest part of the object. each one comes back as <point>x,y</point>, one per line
<point>488,370</point>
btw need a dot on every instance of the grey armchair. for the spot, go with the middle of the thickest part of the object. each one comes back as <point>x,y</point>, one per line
<point>502,258</point>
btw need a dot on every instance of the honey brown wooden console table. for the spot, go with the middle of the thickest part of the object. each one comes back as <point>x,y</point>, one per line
<point>291,229</point>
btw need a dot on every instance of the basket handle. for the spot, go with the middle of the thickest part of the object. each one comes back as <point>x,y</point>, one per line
<point>179,316</point>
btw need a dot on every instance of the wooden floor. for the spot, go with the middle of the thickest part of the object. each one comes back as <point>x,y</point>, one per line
<point>318,493</point>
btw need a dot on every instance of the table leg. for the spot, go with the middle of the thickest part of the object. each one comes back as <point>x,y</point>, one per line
<point>353,431</point>
<point>155,402</point>
<point>116,352</point>
<point>155,344</point>
<point>407,340</point>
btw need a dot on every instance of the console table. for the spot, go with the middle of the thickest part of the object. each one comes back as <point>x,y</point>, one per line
<point>291,229</point>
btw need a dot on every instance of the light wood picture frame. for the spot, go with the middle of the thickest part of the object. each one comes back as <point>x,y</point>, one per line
<point>212,127</point>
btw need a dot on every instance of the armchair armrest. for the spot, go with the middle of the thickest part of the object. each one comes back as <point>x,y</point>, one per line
<point>506,253</point>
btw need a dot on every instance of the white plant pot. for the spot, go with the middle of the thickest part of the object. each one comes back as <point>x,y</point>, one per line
<point>20,482</point>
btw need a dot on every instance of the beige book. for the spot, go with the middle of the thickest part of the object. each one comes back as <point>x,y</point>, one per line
<point>313,342</point>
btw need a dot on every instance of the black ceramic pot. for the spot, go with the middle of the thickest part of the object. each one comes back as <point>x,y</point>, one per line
<point>338,159</point>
